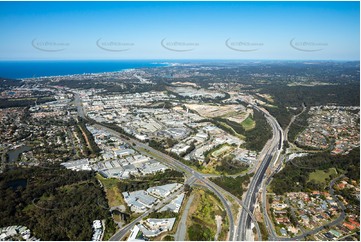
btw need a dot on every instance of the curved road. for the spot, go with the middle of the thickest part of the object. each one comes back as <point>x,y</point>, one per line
<point>273,149</point>
<point>170,162</point>
<point>178,166</point>
<point>182,167</point>
<point>270,227</point>
<point>123,231</point>
<point>269,224</point>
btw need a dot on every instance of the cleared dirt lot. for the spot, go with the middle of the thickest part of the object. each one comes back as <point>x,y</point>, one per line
<point>236,113</point>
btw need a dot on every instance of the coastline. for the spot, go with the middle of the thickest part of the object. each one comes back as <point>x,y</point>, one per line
<point>60,68</point>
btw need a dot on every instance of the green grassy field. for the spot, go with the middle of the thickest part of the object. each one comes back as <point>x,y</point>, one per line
<point>320,176</point>
<point>112,191</point>
<point>221,150</point>
<point>248,123</point>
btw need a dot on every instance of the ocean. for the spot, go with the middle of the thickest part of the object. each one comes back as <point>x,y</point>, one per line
<point>28,69</point>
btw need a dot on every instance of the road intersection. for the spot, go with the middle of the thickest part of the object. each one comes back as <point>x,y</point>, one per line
<point>235,232</point>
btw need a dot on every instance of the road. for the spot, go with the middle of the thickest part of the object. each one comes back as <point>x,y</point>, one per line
<point>170,161</point>
<point>268,222</point>
<point>269,225</point>
<point>292,145</point>
<point>180,235</point>
<point>177,165</point>
<point>123,231</point>
<point>292,120</point>
<point>272,148</point>
<point>337,221</point>
<point>272,234</point>
<point>79,105</point>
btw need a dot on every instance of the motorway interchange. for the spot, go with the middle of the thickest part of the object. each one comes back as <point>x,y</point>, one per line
<point>239,226</point>
<point>238,230</point>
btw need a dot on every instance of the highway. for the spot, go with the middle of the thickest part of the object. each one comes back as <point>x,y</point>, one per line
<point>268,222</point>
<point>269,157</point>
<point>79,106</point>
<point>175,164</point>
<point>172,163</point>
<point>272,152</point>
<point>269,225</point>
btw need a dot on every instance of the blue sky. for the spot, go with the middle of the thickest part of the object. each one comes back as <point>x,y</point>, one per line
<point>189,30</point>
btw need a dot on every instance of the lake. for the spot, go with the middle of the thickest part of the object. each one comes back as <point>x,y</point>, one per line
<point>14,154</point>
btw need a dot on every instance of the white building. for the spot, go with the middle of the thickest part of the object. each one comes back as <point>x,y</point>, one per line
<point>163,191</point>
<point>97,224</point>
<point>77,165</point>
<point>133,234</point>
<point>153,227</point>
<point>174,205</point>
<point>98,230</point>
<point>139,201</point>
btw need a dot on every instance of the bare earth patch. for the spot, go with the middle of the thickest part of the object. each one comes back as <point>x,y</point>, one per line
<point>236,113</point>
<point>219,226</point>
